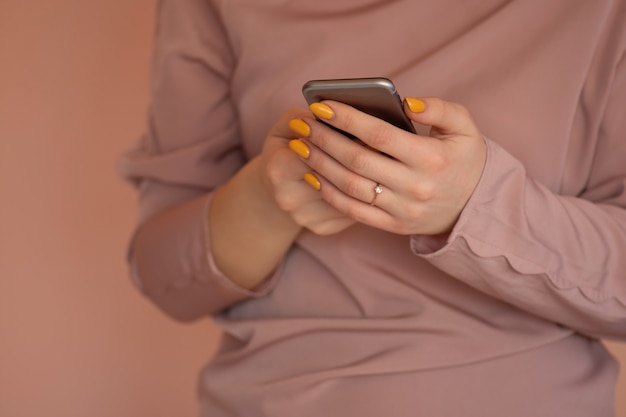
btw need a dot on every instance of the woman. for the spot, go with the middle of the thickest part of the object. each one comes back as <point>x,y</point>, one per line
<point>479,280</point>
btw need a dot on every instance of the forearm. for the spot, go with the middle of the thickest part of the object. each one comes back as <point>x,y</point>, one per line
<point>568,269</point>
<point>250,234</point>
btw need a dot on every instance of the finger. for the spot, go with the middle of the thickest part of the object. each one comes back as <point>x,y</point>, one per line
<point>331,141</point>
<point>379,199</point>
<point>372,131</point>
<point>282,128</point>
<point>446,117</point>
<point>321,218</point>
<point>294,195</point>
<point>284,166</point>
<point>366,213</point>
<point>347,179</point>
<point>330,226</point>
<point>350,167</point>
<point>357,156</point>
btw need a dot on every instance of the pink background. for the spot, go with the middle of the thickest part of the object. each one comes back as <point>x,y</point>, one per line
<point>76,339</point>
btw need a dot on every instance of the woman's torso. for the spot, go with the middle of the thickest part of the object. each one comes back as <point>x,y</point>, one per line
<point>358,324</point>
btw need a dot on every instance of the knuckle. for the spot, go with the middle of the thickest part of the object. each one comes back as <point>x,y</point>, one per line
<point>461,109</point>
<point>436,103</point>
<point>286,202</point>
<point>347,121</point>
<point>445,108</point>
<point>330,197</point>
<point>355,213</point>
<point>413,213</point>
<point>358,161</point>
<point>382,135</point>
<point>462,114</point>
<point>436,162</point>
<point>421,191</point>
<point>272,171</point>
<point>322,138</point>
<point>351,187</point>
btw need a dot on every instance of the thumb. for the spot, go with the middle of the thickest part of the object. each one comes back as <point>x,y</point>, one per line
<point>445,117</point>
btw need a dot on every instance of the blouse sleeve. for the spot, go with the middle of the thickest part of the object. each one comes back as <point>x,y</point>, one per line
<point>191,146</point>
<point>561,258</point>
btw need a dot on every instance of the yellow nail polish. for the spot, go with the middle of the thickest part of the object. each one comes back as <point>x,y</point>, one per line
<point>300,127</point>
<point>312,181</point>
<point>415,104</point>
<point>300,148</point>
<point>322,110</point>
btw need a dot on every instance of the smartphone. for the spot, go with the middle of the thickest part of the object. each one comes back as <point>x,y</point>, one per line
<point>375,96</point>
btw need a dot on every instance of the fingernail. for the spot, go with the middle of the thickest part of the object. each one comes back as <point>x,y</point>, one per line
<point>322,110</point>
<point>300,148</point>
<point>300,127</point>
<point>415,104</point>
<point>312,181</point>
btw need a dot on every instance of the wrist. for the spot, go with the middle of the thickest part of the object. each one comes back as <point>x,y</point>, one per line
<point>250,234</point>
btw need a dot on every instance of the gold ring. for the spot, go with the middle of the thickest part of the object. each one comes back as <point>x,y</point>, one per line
<point>377,190</point>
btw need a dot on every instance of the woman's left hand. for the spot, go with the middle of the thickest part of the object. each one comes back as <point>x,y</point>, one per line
<point>422,188</point>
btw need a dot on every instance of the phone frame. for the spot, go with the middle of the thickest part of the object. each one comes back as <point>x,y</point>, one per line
<point>376,96</point>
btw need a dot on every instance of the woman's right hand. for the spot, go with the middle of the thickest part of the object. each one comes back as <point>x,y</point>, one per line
<point>287,178</point>
<point>257,215</point>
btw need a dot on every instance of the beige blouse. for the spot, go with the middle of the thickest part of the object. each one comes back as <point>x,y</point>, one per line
<point>504,320</point>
